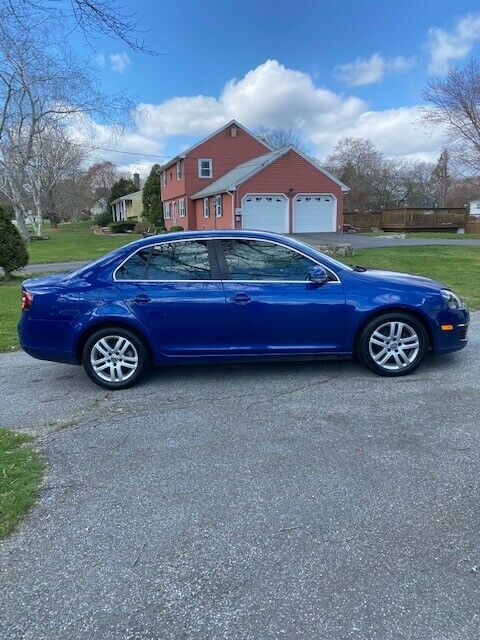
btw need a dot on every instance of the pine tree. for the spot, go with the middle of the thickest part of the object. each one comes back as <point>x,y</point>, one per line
<point>152,198</point>
<point>13,252</point>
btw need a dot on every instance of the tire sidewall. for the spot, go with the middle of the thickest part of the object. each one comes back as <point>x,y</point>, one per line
<point>143,360</point>
<point>363,350</point>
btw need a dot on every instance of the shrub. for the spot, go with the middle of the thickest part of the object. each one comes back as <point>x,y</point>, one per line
<point>176,227</point>
<point>159,230</point>
<point>13,252</point>
<point>123,226</point>
<point>103,219</point>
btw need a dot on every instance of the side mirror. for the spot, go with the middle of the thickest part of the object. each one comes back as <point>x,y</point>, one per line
<point>317,275</point>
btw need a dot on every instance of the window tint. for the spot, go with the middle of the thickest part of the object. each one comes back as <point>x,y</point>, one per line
<point>179,261</point>
<point>257,260</point>
<point>135,268</point>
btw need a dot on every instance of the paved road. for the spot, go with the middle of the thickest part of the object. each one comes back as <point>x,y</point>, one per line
<point>358,241</point>
<point>297,501</point>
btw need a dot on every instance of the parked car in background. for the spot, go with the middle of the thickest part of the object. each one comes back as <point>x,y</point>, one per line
<point>233,295</point>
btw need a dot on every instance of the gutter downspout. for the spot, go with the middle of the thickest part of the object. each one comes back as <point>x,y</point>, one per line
<point>232,195</point>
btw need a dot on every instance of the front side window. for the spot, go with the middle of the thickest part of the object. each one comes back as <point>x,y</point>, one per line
<point>206,208</point>
<point>205,168</point>
<point>168,261</point>
<point>258,260</point>
<point>168,211</point>
<point>179,170</point>
<point>218,206</point>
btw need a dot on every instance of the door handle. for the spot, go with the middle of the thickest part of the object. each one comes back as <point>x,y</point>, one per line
<point>141,299</point>
<point>241,298</point>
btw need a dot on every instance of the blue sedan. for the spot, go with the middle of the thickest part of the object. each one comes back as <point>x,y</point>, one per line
<point>233,296</point>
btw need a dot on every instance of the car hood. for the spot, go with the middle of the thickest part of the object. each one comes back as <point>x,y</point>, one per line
<point>403,278</point>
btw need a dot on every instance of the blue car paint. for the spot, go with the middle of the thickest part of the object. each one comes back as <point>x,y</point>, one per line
<point>192,321</point>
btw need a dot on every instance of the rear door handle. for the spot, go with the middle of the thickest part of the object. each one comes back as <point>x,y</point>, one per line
<point>141,299</point>
<point>241,298</point>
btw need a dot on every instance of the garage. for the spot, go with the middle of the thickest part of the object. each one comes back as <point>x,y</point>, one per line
<point>265,212</point>
<point>314,212</point>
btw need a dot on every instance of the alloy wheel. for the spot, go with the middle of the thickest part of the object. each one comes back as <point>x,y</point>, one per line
<point>394,345</point>
<point>114,358</point>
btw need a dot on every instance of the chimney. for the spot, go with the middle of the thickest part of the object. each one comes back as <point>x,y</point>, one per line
<point>136,181</point>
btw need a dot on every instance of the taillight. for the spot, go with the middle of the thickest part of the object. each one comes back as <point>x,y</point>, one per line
<point>27,299</point>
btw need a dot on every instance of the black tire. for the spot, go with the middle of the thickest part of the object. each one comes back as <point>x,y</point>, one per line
<point>137,349</point>
<point>364,348</point>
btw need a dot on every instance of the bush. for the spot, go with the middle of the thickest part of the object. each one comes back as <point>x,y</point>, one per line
<point>103,219</point>
<point>176,227</point>
<point>159,230</point>
<point>123,226</point>
<point>13,252</point>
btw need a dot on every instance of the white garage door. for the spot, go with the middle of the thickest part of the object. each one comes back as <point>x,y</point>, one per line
<point>265,212</point>
<point>314,212</point>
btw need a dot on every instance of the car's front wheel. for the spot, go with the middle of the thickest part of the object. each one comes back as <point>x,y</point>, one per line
<point>393,344</point>
<point>114,358</point>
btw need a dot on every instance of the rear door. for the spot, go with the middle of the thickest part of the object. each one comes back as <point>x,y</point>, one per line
<point>272,308</point>
<point>174,290</point>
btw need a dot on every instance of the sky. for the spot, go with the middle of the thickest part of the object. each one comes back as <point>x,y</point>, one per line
<point>325,69</point>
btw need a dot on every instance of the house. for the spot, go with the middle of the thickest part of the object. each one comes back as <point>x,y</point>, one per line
<point>474,207</point>
<point>233,180</point>
<point>128,207</point>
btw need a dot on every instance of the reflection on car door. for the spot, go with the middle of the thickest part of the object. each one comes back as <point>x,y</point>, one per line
<point>272,308</point>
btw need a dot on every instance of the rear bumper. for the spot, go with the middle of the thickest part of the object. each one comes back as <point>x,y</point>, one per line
<point>45,340</point>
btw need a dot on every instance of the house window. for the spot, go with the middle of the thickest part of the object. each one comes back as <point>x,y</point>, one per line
<point>218,206</point>
<point>168,210</point>
<point>206,208</point>
<point>179,170</point>
<point>164,178</point>
<point>181,208</point>
<point>205,169</point>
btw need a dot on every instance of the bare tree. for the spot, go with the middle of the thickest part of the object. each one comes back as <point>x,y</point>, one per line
<point>280,137</point>
<point>455,104</point>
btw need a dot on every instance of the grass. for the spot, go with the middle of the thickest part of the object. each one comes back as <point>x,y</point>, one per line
<point>21,472</point>
<point>74,241</point>
<point>10,301</point>
<point>458,267</point>
<point>440,235</point>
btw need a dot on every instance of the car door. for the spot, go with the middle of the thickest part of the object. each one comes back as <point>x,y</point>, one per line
<point>174,290</point>
<point>272,308</point>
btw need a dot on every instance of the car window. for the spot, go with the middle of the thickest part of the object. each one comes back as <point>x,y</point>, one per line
<point>168,261</point>
<point>258,260</point>
<point>179,261</point>
<point>135,268</point>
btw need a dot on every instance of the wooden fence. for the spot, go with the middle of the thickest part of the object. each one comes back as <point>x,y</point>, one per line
<point>409,219</point>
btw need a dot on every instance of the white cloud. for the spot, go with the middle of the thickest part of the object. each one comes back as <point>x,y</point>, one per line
<point>445,47</point>
<point>363,71</point>
<point>99,59</point>
<point>120,62</point>
<point>270,95</point>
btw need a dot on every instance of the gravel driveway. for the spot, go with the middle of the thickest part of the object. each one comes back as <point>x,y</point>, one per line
<point>296,501</point>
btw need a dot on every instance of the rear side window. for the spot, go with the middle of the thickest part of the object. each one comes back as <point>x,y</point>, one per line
<point>168,261</point>
<point>259,260</point>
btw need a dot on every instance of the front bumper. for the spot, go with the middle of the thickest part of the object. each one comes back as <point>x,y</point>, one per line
<point>446,341</point>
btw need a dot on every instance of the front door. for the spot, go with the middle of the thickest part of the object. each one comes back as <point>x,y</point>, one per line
<point>272,308</point>
<point>174,290</point>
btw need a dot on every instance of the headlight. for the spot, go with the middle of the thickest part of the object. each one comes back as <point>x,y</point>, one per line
<point>452,300</point>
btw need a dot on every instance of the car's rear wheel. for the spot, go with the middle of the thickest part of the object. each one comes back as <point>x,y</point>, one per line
<point>393,344</point>
<point>114,358</point>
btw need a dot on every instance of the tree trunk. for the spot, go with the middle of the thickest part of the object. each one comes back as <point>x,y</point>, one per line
<point>21,226</point>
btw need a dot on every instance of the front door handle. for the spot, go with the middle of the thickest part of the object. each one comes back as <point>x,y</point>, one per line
<point>241,298</point>
<point>141,299</point>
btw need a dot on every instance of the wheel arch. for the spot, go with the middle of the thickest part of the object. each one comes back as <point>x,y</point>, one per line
<point>106,324</point>
<point>396,309</point>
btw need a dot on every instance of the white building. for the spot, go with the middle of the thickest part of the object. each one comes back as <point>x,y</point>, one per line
<point>474,207</point>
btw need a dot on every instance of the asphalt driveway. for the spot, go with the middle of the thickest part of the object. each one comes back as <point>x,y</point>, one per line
<point>298,501</point>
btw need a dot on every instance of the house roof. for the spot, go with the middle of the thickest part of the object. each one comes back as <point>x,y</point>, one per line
<point>242,172</point>
<point>182,155</point>
<point>130,196</point>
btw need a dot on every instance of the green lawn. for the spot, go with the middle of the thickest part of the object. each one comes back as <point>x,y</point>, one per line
<point>74,241</point>
<point>10,302</point>
<point>441,235</point>
<point>458,267</point>
<point>21,472</point>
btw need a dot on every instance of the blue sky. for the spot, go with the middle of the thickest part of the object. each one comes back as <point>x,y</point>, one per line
<point>327,69</point>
